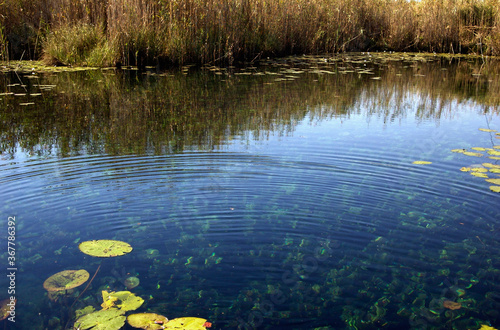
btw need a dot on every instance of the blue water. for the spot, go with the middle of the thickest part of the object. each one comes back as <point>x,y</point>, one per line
<point>321,221</point>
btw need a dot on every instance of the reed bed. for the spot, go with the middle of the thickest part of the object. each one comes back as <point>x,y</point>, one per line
<point>147,32</point>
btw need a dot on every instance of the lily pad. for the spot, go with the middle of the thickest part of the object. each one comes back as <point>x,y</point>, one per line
<point>123,300</point>
<point>105,248</point>
<point>110,319</point>
<point>66,280</point>
<point>479,175</point>
<point>421,162</point>
<point>186,323</point>
<point>491,165</point>
<point>84,311</point>
<point>494,152</point>
<point>487,130</point>
<point>150,321</point>
<point>494,181</point>
<point>495,189</point>
<point>474,154</point>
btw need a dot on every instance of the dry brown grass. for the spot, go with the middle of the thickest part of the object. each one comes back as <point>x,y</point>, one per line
<point>222,31</point>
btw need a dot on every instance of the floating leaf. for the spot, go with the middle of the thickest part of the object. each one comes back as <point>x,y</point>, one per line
<point>186,323</point>
<point>461,151</point>
<point>124,300</point>
<point>149,321</point>
<point>495,170</point>
<point>478,149</point>
<point>465,169</point>
<point>486,327</point>
<point>470,153</point>
<point>494,181</point>
<point>487,130</point>
<point>421,162</point>
<point>65,280</point>
<point>496,158</point>
<point>479,169</point>
<point>108,301</point>
<point>494,152</point>
<point>84,311</point>
<point>110,319</point>
<point>479,175</point>
<point>495,189</point>
<point>105,248</point>
<point>491,165</point>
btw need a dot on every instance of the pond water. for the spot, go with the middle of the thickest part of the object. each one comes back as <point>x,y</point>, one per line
<point>277,196</point>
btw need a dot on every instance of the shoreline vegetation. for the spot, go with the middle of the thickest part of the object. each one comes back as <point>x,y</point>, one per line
<point>104,33</point>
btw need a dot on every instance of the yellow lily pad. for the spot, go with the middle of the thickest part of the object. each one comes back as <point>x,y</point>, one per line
<point>494,152</point>
<point>474,154</point>
<point>461,151</point>
<point>479,175</point>
<point>495,170</point>
<point>478,149</point>
<point>487,130</point>
<point>491,165</point>
<point>186,323</point>
<point>66,280</point>
<point>149,321</point>
<point>105,248</point>
<point>495,189</point>
<point>486,327</point>
<point>495,158</point>
<point>494,181</point>
<point>479,169</point>
<point>496,147</point>
<point>465,169</point>
<point>421,162</point>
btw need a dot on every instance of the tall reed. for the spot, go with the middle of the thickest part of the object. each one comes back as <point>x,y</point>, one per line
<point>142,32</point>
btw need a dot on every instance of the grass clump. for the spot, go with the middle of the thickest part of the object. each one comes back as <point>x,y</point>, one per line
<point>81,44</point>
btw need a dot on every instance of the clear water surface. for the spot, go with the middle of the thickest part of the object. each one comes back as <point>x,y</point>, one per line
<point>277,196</point>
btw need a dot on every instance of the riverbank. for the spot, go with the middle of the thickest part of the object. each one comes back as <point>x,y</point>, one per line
<point>220,32</point>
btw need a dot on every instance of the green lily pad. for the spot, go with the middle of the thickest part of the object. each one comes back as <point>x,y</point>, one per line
<point>84,311</point>
<point>66,280</point>
<point>105,248</point>
<point>186,323</point>
<point>109,319</point>
<point>123,300</point>
<point>149,321</point>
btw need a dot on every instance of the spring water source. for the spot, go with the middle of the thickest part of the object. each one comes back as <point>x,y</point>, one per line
<point>280,195</point>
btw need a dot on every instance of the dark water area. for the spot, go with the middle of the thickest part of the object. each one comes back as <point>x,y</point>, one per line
<point>277,196</point>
